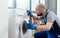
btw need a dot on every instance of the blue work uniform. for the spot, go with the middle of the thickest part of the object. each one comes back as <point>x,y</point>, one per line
<point>52,33</point>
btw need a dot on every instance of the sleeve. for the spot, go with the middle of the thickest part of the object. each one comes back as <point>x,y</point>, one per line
<point>51,17</point>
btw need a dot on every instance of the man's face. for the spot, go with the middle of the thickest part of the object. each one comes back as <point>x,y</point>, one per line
<point>39,11</point>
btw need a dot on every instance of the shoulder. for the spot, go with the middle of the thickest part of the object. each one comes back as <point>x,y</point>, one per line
<point>51,14</point>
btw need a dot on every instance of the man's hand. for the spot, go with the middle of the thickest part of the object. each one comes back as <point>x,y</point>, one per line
<point>29,13</point>
<point>31,26</point>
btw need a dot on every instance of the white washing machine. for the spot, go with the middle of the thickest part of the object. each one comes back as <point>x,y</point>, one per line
<point>21,16</point>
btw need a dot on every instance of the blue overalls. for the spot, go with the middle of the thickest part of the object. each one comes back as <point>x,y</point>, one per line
<point>46,34</point>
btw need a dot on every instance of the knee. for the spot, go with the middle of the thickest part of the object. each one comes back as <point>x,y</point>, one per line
<point>40,35</point>
<point>35,35</point>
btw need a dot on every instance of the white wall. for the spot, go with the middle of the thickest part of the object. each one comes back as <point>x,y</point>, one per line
<point>3,19</point>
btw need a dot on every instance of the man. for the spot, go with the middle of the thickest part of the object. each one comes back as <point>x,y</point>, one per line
<point>52,23</point>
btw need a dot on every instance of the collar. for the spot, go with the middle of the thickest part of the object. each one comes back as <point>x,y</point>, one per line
<point>47,11</point>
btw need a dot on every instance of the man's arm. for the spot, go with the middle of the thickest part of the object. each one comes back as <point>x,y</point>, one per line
<point>48,26</point>
<point>36,17</point>
<point>45,27</point>
<point>31,15</point>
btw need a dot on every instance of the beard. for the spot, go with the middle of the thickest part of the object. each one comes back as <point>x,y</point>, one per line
<point>39,14</point>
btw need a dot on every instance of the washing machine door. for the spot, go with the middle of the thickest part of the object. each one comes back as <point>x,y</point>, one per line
<point>24,32</point>
<point>24,27</point>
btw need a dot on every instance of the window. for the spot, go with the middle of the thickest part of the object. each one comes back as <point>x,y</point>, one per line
<point>42,1</point>
<point>34,3</point>
<point>10,3</point>
<point>23,4</point>
<point>58,8</point>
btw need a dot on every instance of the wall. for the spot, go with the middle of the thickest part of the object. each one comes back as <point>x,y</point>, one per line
<point>3,19</point>
<point>52,5</point>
